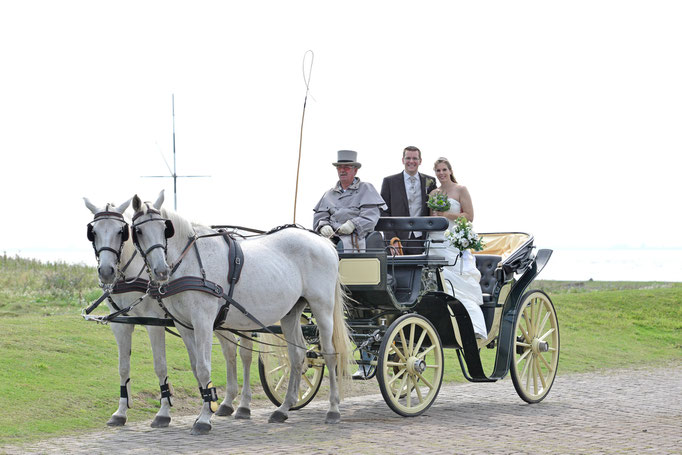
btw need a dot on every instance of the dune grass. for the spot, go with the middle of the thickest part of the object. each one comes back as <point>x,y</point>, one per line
<point>59,374</point>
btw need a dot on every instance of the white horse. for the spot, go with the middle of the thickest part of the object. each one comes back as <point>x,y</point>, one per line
<point>114,250</point>
<point>282,273</point>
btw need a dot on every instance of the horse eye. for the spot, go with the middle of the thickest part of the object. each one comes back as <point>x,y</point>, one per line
<point>138,231</point>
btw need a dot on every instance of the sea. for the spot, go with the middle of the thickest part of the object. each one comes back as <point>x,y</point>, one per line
<point>614,264</point>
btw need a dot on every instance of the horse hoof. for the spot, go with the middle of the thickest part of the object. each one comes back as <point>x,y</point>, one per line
<point>117,421</point>
<point>277,417</point>
<point>161,422</point>
<point>224,410</point>
<point>243,413</point>
<point>332,418</point>
<point>200,428</point>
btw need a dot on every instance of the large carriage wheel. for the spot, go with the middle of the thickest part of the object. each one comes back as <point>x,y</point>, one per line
<point>410,365</point>
<point>274,370</point>
<point>536,347</point>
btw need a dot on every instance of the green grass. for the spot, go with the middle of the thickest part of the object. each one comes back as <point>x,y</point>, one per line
<point>59,373</point>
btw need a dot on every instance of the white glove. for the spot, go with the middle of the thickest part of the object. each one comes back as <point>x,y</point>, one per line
<point>347,227</point>
<point>327,231</point>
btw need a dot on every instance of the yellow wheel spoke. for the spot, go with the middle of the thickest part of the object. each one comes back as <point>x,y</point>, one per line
<point>544,322</point>
<point>529,322</point>
<point>549,332</point>
<point>420,341</point>
<point>545,362</point>
<point>308,381</point>
<point>397,393</point>
<point>540,375</point>
<point>410,346</point>
<point>395,364</point>
<point>538,306</point>
<point>529,371</point>
<point>425,381</point>
<point>404,343</point>
<point>421,355</point>
<point>525,333</point>
<point>280,382</point>
<point>419,392</point>
<point>395,377</point>
<point>409,391</point>
<point>523,356</point>
<point>276,369</point>
<point>525,345</point>
<point>535,378</point>
<point>395,349</point>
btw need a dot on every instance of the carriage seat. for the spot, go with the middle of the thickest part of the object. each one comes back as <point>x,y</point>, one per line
<point>486,264</point>
<point>407,223</point>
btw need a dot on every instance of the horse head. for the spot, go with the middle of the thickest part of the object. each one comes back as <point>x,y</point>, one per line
<point>151,231</point>
<point>108,231</point>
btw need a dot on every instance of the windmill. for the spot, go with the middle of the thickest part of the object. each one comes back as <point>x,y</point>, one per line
<point>173,173</point>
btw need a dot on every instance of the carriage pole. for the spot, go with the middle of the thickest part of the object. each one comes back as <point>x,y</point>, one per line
<point>300,140</point>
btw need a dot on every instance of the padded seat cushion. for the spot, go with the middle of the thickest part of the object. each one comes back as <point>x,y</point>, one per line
<point>486,264</point>
<point>417,223</point>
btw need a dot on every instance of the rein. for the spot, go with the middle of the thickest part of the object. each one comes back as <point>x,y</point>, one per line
<point>190,283</point>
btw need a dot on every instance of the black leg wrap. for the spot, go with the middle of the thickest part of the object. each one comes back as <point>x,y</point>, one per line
<point>124,393</point>
<point>166,392</point>
<point>210,396</point>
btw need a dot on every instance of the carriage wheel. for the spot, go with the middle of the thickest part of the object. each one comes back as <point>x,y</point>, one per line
<point>410,365</point>
<point>536,347</point>
<point>274,370</point>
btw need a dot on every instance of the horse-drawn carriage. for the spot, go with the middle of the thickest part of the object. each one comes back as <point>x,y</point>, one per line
<point>399,317</point>
<point>401,320</point>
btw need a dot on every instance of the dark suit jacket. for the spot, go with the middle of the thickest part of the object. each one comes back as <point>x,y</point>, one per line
<point>394,194</point>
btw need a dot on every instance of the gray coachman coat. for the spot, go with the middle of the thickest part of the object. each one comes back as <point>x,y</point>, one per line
<point>360,203</point>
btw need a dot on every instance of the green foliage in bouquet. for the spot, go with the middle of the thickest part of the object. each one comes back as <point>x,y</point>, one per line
<point>439,202</point>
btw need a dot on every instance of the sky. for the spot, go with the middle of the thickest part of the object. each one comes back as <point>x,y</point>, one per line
<point>561,118</point>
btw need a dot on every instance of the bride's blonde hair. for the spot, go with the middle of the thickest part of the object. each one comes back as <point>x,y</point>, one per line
<point>447,163</point>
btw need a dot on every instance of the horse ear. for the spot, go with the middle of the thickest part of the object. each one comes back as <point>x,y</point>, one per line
<point>122,208</point>
<point>91,206</point>
<point>137,203</point>
<point>159,201</point>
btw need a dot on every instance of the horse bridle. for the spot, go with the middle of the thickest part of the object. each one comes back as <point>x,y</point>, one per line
<point>125,233</point>
<point>168,233</point>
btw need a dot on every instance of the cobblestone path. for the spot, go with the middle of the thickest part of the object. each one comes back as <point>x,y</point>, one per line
<point>614,412</point>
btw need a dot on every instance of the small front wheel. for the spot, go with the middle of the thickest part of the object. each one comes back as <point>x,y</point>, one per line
<point>536,347</point>
<point>410,365</point>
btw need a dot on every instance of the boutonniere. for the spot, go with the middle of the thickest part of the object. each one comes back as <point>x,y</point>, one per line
<point>429,182</point>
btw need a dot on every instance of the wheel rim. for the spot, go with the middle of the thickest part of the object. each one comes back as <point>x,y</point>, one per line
<point>536,347</point>
<point>274,370</point>
<point>410,365</point>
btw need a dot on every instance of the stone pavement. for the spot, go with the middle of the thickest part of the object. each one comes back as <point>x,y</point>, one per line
<point>633,411</point>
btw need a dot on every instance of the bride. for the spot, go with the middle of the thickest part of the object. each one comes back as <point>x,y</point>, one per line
<point>461,280</point>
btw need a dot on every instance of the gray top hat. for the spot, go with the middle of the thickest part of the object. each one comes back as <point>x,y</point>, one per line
<point>347,158</point>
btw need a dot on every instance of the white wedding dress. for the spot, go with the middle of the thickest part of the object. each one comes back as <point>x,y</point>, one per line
<point>462,278</point>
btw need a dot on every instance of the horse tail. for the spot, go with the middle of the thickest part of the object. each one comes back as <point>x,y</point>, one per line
<point>341,341</point>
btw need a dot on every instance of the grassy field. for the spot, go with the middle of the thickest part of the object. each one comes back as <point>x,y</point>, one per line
<point>58,373</point>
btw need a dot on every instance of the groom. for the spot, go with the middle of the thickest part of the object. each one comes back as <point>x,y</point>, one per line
<point>406,194</point>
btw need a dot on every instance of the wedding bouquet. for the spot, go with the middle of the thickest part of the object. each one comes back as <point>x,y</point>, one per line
<point>462,236</point>
<point>438,202</point>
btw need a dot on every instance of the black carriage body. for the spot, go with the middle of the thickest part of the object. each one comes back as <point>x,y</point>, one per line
<point>383,286</point>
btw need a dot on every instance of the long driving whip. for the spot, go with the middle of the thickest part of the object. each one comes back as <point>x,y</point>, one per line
<point>306,80</point>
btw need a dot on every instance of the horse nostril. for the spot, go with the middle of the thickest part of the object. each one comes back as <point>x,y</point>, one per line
<point>105,271</point>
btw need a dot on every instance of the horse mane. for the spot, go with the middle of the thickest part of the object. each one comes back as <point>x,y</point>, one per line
<point>183,227</point>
